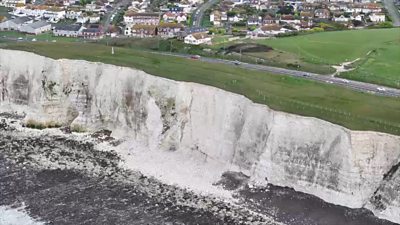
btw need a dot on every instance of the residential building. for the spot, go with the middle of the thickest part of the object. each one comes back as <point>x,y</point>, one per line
<point>268,30</point>
<point>185,32</point>
<point>73,30</point>
<point>377,17</point>
<point>132,18</point>
<point>180,18</point>
<point>169,30</point>
<point>215,18</point>
<point>268,19</point>
<point>94,18</point>
<point>93,32</point>
<point>254,20</point>
<point>36,28</point>
<point>358,17</point>
<point>169,17</point>
<point>73,13</point>
<point>143,30</point>
<point>15,24</point>
<point>12,3</point>
<point>322,13</point>
<point>54,14</point>
<point>235,18</point>
<point>341,19</point>
<point>305,15</point>
<point>289,19</point>
<point>197,39</point>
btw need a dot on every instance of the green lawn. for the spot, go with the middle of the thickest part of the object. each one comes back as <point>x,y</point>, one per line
<point>330,48</point>
<point>335,47</point>
<point>295,95</point>
<point>40,37</point>
<point>4,11</point>
<point>382,66</point>
<point>218,39</point>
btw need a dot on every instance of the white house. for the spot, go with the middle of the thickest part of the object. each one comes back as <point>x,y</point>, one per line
<point>267,31</point>
<point>254,20</point>
<point>73,14</point>
<point>181,18</point>
<point>54,14</point>
<point>83,18</point>
<point>341,19</point>
<point>359,17</point>
<point>30,10</point>
<point>36,27</point>
<point>235,18</point>
<point>95,18</point>
<point>197,39</point>
<point>215,18</point>
<point>377,17</point>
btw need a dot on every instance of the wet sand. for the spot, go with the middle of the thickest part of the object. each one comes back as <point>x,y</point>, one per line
<point>296,208</point>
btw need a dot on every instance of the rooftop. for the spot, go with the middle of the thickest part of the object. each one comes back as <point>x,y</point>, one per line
<point>38,24</point>
<point>21,20</point>
<point>72,27</point>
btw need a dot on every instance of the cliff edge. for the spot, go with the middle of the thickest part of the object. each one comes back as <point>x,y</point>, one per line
<point>350,168</point>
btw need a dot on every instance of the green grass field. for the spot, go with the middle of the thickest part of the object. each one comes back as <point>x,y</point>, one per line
<point>4,11</point>
<point>382,66</point>
<point>40,37</point>
<point>295,95</point>
<point>332,48</point>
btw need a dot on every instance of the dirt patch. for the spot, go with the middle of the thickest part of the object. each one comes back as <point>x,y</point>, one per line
<point>245,47</point>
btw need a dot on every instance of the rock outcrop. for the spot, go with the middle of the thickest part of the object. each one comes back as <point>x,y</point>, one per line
<point>349,168</point>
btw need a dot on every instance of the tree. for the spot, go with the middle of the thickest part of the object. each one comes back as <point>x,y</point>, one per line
<point>85,2</point>
<point>357,23</point>
<point>287,9</point>
<point>231,14</point>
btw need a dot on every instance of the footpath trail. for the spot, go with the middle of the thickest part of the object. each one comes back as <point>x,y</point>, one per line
<point>393,12</point>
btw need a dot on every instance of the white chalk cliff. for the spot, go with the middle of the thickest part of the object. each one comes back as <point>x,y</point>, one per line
<point>349,168</point>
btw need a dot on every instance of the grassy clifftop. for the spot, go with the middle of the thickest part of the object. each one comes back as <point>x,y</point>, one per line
<point>377,49</point>
<point>294,95</point>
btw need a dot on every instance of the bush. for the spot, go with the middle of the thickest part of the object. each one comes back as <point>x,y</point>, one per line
<point>40,126</point>
<point>78,129</point>
<point>287,34</point>
<point>316,29</point>
<point>386,24</point>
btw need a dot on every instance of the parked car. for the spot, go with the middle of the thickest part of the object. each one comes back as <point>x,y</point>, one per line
<point>195,57</point>
<point>381,89</point>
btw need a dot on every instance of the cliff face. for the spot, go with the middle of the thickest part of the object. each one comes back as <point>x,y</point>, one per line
<point>350,168</point>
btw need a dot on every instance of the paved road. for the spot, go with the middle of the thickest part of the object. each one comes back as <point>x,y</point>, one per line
<point>393,12</point>
<point>351,84</point>
<point>107,20</point>
<point>198,14</point>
